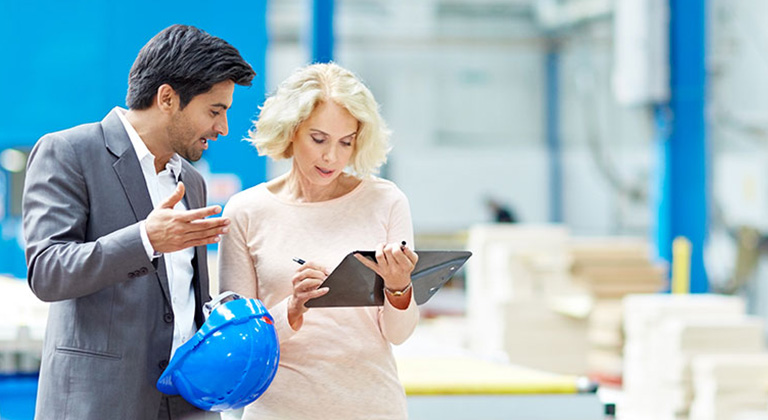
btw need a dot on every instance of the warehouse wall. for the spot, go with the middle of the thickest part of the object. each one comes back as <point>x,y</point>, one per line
<point>463,87</point>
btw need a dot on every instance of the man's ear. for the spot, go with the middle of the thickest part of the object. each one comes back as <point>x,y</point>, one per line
<point>166,98</point>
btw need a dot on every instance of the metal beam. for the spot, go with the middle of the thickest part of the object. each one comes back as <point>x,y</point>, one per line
<point>554,148</point>
<point>322,31</point>
<point>682,199</point>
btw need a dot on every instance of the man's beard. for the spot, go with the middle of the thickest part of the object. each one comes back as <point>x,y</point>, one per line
<point>181,140</point>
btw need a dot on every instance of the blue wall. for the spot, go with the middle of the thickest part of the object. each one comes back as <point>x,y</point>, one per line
<point>67,62</point>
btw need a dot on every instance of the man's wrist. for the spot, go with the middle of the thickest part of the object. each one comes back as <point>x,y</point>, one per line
<point>151,253</point>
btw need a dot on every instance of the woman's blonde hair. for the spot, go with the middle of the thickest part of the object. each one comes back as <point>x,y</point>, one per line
<point>296,98</point>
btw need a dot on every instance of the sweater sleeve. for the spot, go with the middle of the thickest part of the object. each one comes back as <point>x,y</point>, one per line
<point>282,326</point>
<point>236,267</point>
<point>237,270</point>
<point>396,324</point>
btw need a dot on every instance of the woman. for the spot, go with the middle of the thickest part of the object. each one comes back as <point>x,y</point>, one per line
<point>336,363</point>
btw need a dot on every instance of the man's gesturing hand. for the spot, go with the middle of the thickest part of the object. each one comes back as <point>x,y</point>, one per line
<point>172,230</point>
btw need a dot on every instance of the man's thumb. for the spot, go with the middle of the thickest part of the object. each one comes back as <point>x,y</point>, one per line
<point>174,198</point>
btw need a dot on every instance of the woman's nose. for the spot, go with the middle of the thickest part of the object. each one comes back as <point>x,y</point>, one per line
<point>330,154</point>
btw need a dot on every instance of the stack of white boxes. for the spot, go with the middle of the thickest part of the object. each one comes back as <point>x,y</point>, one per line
<point>663,335</point>
<point>521,302</point>
<point>606,341</point>
<point>730,386</point>
<point>681,341</point>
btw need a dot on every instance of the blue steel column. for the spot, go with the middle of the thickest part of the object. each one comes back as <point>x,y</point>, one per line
<point>662,183</point>
<point>553,135</point>
<point>322,31</point>
<point>682,202</point>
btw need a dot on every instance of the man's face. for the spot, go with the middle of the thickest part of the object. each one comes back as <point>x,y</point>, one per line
<point>202,120</point>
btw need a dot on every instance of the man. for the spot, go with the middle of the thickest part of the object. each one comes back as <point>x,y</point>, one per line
<point>501,214</point>
<point>116,232</point>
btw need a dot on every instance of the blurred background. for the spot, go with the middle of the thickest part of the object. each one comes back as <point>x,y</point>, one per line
<point>604,160</point>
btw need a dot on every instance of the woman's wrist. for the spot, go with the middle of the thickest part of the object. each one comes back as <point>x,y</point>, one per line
<point>399,298</point>
<point>295,316</point>
<point>398,291</point>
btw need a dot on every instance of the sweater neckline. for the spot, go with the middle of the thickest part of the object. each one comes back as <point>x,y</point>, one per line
<point>341,198</point>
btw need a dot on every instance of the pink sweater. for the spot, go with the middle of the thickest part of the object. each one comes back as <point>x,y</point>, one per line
<point>339,365</point>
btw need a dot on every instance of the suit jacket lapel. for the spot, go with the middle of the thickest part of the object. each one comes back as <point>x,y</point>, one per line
<point>127,166</point>
<point>191,197</point>
<point>131,178</point>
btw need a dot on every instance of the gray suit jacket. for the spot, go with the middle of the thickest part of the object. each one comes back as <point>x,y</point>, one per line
<point>110,325</point>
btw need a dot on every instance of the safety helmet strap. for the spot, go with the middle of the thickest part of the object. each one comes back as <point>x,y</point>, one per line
<point>218,300</point>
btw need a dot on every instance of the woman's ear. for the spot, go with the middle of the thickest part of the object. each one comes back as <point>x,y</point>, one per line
<point>288,152</point>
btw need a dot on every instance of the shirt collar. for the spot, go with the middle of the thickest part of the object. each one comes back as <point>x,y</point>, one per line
<point>142,152</point>
<point>175,166</point>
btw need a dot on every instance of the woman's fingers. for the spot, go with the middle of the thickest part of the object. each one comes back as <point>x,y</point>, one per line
<point>397,255</point>
<point>412,256</point>
<point>368,263</point>
<point>380,256</point>
<point>393,261</point>
<point>306,283</point>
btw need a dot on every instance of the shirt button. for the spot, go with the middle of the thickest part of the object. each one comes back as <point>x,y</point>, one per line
<point>168,317</point>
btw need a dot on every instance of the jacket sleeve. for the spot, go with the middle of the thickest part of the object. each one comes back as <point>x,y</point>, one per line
<point>61,263</point>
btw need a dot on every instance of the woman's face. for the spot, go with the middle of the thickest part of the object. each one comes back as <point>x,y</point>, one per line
<point>324,143</point>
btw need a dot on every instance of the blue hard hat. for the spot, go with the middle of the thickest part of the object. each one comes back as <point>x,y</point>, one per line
<point>230,361</point>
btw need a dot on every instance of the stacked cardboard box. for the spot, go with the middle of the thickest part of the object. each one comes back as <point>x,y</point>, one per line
<point>663,333</point>
<point>611,268</point>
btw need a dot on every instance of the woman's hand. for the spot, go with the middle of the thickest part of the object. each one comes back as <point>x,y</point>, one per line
<point>394,263</point>
<point>306,286</point>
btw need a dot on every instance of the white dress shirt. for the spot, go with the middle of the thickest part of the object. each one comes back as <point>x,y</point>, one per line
<point>178,265</point>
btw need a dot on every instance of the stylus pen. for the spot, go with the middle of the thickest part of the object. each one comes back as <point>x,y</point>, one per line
<point>402,246</point>
<point>299,261</point>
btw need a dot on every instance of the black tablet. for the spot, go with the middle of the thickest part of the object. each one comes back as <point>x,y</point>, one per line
<point>353,284</point>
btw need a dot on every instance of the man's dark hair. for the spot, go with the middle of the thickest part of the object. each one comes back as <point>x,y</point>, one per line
<point>188,59</point>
